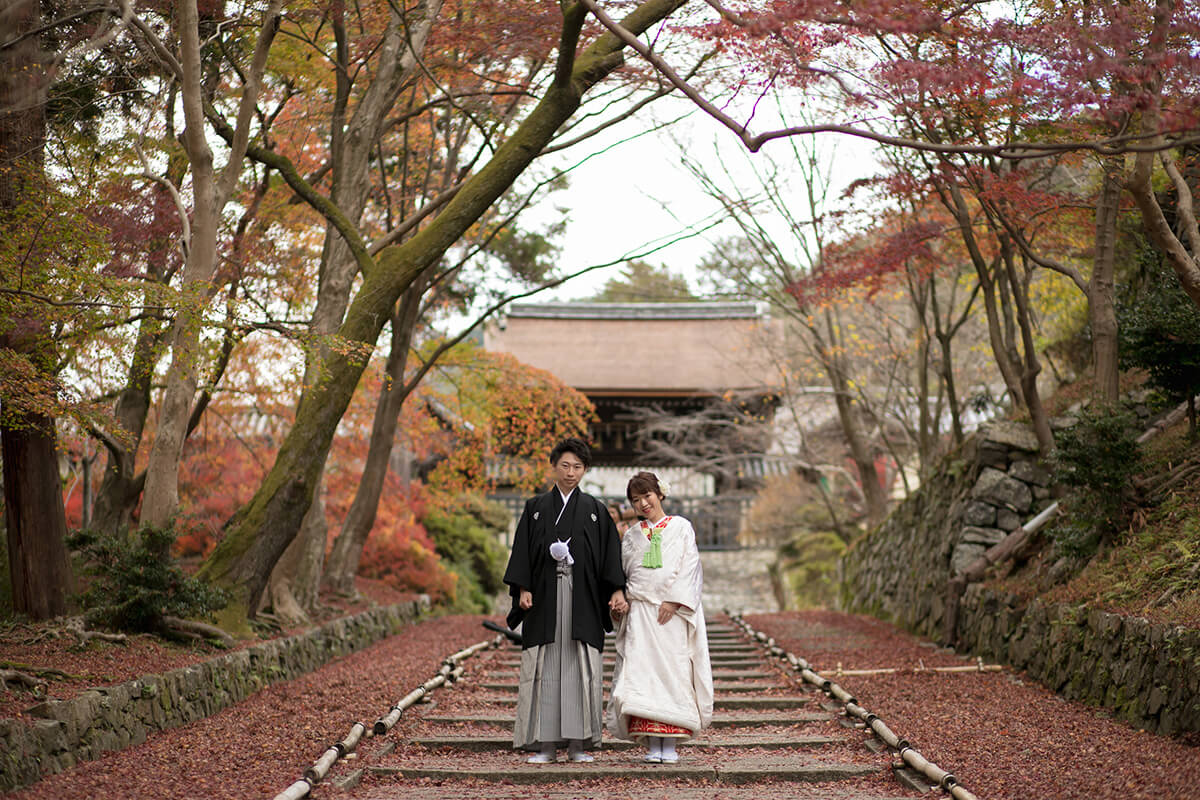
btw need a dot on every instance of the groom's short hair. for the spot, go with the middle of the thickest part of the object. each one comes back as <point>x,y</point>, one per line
<point>574,445</point>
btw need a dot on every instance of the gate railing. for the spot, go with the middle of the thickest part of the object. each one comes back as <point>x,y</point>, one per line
<point>717,520</point>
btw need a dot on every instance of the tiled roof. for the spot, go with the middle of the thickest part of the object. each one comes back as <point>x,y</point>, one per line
<point>657,311</point>
<point>642,348</point>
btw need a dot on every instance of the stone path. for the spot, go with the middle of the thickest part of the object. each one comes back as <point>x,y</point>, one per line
<point>769,738</point>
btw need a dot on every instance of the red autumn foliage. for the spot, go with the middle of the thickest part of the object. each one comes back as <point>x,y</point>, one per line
<point>398,549</point>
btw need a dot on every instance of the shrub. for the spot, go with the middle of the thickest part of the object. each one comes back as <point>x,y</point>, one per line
<point>1160,332</point>
<point>807,569</point>
<point>468,540</point>
<point>403,555</point>
<point>134,582</point>
<point>1096,457</point>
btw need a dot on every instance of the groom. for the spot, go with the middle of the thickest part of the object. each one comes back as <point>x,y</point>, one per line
<point>565,579</point>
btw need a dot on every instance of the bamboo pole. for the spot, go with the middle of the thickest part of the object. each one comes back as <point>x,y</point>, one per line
<point>449,672</point>
<point>348,744</point>
<point>908,755</point>
<point>317,772</point>
<point>918,669</point>
<point>1002,550</point>
<point>296,791</point>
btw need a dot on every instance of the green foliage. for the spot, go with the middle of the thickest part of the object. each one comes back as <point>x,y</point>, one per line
<point>135,582</point>
<point>1154,571</point>
<point>808,568</point>
<point>1160,332</point>
<point>1096,457</point>
<point>468,540</point>
<point>642,283</point>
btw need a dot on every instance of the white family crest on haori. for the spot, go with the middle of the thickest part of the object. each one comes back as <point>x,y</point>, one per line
<point>537,514</point>
<point>593,517</point>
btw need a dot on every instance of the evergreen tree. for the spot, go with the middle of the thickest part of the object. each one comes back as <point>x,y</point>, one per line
<point>1160,332</point>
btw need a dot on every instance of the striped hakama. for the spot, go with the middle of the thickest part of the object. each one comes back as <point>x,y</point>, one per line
<point>562,687</point>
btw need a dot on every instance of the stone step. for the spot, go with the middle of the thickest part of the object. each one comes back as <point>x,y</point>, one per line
<point>728,703</point>
<point>504,743</point>
<point>720,720</point>
<point>719,686</point>
<point>731,772</point>
<point>749,671</point>
<point>446,790</point>
<point>717,661</point>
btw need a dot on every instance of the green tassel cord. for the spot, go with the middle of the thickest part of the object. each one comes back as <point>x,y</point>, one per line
<point>652,558</point>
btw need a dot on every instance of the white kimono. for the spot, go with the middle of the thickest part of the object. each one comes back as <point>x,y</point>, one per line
<point>662,672</point>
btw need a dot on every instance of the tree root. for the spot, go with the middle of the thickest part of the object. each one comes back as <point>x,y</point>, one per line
<point>43,672</point>
<point>38,687</point>
<point>201,630</point>
<point>77,626</point>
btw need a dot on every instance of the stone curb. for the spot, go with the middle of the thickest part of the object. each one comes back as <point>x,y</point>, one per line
<point>115,717</point>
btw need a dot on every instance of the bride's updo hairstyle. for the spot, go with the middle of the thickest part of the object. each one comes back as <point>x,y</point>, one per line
<point>643,483</point>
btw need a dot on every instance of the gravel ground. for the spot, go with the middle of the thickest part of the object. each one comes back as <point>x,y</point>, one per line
<point>1001,734</point>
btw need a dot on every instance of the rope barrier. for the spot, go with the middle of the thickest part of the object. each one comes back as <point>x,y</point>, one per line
<point>450,671</point>
<point>907,754</point>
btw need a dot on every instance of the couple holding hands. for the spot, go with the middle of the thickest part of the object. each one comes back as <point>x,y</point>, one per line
<point>571,577</point>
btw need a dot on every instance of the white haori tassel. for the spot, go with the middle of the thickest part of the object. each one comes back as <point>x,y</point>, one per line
<point>560,551</point>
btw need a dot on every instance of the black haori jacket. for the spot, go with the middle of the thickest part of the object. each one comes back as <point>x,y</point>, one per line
<point>596,574</point>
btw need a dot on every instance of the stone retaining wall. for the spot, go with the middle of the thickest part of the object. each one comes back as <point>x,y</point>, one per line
<point>1146,674</point>
<point>64,732</point>
<point>899,570</point>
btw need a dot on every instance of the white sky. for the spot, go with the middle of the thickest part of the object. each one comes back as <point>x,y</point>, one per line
<point>637,192</point>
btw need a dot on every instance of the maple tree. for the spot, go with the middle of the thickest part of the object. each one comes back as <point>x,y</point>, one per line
<point>992,91</point>
<point>267,525</point>
<point>790,272</point>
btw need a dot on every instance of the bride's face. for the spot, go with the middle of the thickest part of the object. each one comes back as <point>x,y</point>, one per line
<point>648,505</point>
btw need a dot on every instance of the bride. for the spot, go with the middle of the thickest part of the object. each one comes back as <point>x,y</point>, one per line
<point>662,685</point>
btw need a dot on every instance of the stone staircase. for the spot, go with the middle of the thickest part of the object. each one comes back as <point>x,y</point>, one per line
<point>766,730</point>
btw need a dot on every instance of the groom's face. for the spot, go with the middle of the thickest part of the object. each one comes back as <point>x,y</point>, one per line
<point>568,471</point>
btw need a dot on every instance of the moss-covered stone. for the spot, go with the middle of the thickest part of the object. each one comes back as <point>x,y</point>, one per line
<point>110,718</point>
<point>1147,674</point>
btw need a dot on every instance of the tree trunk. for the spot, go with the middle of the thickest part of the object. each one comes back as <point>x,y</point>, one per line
<point>35,521</point>
<point>245,556</point>
<point>945,336</point>
<point>120,487</point>
<point>987,282</point>
<point>1039,419</point>
<point>348,547</point>
<point>290,591</point>
<point>210,192</point>
<point>926,433</point>
<point>295,581</point>
<point>1101,311</point>
<point>34,517</point>
<point>1184,259</point>
<point>850,416</point>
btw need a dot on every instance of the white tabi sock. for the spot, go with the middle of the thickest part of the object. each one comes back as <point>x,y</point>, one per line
<point>654,745</point>
<point>668,748</point>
